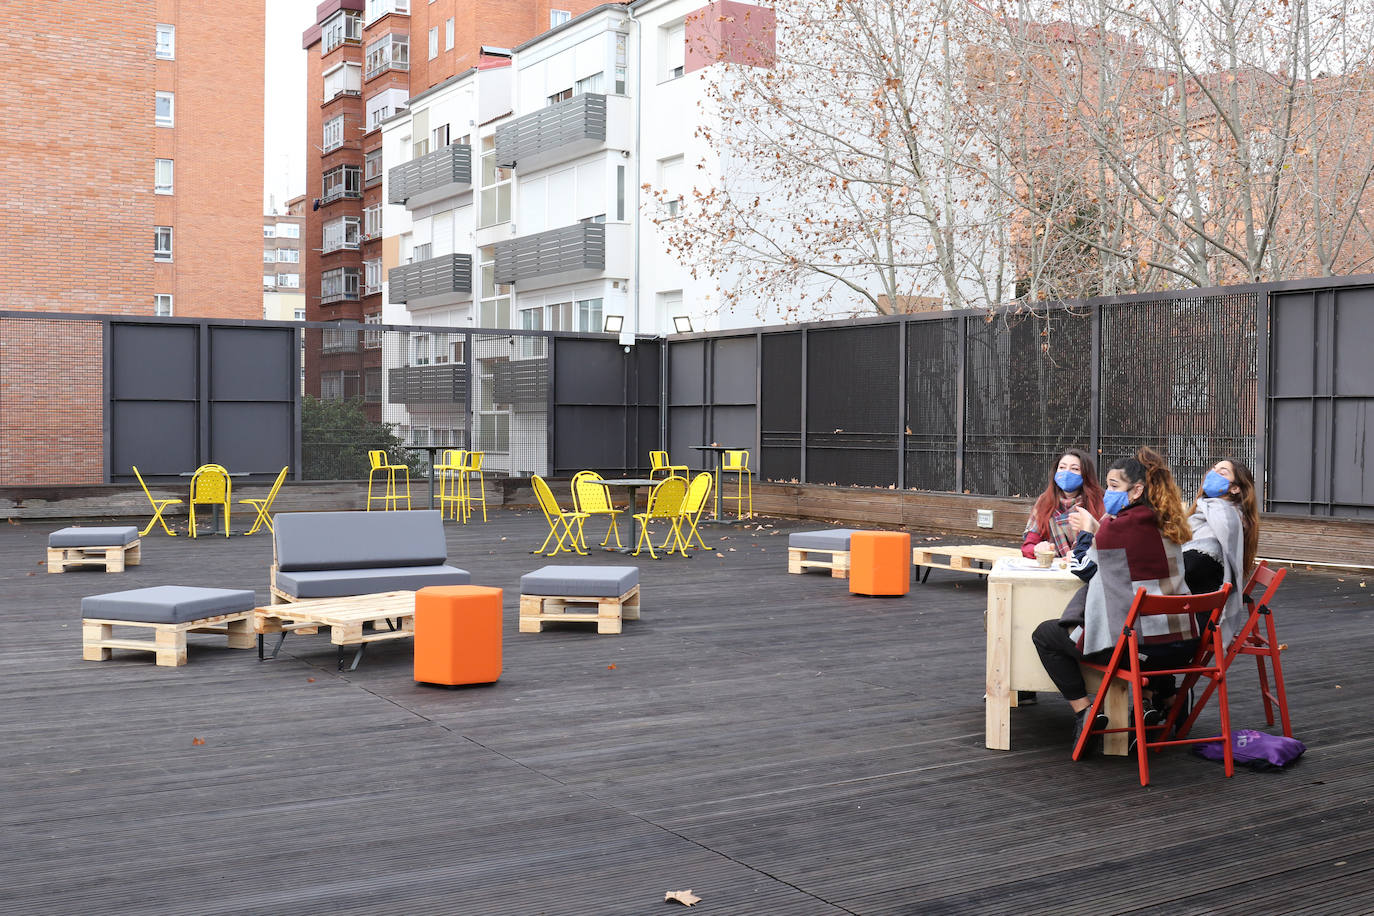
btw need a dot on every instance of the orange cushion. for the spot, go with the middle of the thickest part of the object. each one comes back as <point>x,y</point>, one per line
<point>457,634</point>
<point>879,563</point>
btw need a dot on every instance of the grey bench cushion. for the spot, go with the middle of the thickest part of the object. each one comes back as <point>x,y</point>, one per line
<point>168,603</point>
<point>580,581</point>
<point>828,539</point>
<point>93,537</point>
<point>338,583</point>
<point>359,540</point>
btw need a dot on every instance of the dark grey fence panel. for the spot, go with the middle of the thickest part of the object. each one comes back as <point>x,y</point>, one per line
<point>852,413</point>
<point>780,413</point>
<point>154,386</point>
<point>932,427</point>
<point>604,401</point>
<point>252,403</point>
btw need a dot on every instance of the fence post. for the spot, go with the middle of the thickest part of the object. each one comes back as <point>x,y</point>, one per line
<point>1264,309</point>
<point>960,393</point>
<point>902,327</point>
<point>1095,375</point>
<point>801,462</point>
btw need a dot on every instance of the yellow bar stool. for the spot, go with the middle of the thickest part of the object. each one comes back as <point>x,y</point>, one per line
<point>391,495</point>
<point>472,467</point>
<point>659,464</point>
<point>737,463</point>
<point>450,471</point>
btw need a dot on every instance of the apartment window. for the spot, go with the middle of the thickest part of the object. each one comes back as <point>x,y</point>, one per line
<point>419,349</point>
<point>166,42</point>
<point>420,148</point>
<point>621,58</point>
<point>670,177</point>
<point>166,109</point>
<point>620,192</point>
<point>338,284</point>
<point>440,136</point>
<point>423,252</point>
<point>288,230</point>
<point>599,219</point>
<point>390,52</point>
<point>372,221</point>
<point>162,176</point>
<point>587,84</point>
<point>433,42</point>
<point>372,166</point>
<point>448,34</point>
<point>673,47</point>
<point>372,276</point>
<point>269,281</point>
<point>288,255</point>
<point>269,232</point>
<point>300,314</point>
<point>493,309</point>
<point>561,96</point>
<point>383,105</point>
<point>345,27</point>
<point>289,281</point>
<point>340,233</point>
<point>376,9</point>
<point>333,134</point>
<point>162,243</point>
<point>495,203</point>
<point>162,305</point>
<point>589,314</point>
<point>346,78</point>
<point>341,182</point>
<point>269,256</point>
<point>558,17</point>
<point>372,340</point>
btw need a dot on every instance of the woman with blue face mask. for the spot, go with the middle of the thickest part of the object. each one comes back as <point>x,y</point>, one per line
<point>1073,483</point>
<point>1225,523</point>
<point>1137,542</point>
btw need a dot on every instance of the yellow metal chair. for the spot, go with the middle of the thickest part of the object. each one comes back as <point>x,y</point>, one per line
<point>472,467</point>
<point>693,506</point>
<point>590,499</point>
<point>210,487</point>
<point>158,506</point>
<point>264,506</point>
<point>658,462</point>
<point>391,496</point>
<point>561,523</point>
<point>665,502</point>
<point>737,463</point>
<point>450,471</point>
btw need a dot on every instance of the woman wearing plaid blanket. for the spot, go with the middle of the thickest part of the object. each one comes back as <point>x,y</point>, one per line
<point>1072,484</point>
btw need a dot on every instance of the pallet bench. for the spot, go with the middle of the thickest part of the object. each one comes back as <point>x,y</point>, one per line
<point>547,593</point>
<point>960,558</point>
<point>827,549</point>
<point>170,611</point>
<point>112,548</point>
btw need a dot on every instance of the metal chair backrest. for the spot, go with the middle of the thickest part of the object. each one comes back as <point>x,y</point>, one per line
<point>658,460</point>
<point>210,484</point>
<point>665,499</point>
<point>142,484</point>
<point>377,458</point>
<point>545,497</point>
<point>698,492</point>
<point>272,494</point>
<point>589,496</point>
<point>472,461</point>
<point>735,461</point>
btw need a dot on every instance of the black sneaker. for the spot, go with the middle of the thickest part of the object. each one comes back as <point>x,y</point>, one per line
<point>1080,723</point>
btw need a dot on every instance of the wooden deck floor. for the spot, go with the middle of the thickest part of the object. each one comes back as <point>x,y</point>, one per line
<point>766,740</point>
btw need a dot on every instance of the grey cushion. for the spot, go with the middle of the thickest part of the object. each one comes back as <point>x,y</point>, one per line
<point>580,581</point>
<point>168,603</point>
<point>359,540</point>
<point>828,539</point>
<point>93,537</point>
<point>337,583</point>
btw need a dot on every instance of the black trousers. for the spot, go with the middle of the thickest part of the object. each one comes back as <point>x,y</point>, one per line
<point>1060,656</point>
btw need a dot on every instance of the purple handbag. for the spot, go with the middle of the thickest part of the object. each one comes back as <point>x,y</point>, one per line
<point>1256,750</point>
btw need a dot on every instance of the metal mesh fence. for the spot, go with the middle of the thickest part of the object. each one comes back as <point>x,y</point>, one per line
<point>932,404</point>
<point>780,413</point>
<point>852,416</point>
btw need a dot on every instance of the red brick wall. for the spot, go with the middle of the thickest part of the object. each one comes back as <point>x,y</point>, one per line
<point>51,401</point>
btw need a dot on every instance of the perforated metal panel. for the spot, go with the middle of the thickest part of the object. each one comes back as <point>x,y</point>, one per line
<point>780,411</point>
<point>852,420</point>
<point>932,404</point>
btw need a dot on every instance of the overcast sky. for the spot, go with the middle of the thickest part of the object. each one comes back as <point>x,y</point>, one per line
<point>283,161</point>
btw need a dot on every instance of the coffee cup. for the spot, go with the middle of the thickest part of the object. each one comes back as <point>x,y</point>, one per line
<point>1044,554</point>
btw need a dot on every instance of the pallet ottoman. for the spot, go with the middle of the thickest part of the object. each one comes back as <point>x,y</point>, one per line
<point>170,611</point>
<point>825,549</point>
<point>457,635</point>
<point>546,593</point>
<point>112,548</point>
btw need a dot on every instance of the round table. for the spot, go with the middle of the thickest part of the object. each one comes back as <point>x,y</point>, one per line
<point>717,451</point>
<point>632,484</point>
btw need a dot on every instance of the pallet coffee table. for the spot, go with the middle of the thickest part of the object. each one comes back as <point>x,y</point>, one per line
<point>345,618</point>
<point>965,558</point>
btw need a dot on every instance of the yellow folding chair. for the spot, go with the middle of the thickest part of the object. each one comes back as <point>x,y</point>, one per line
<point>391,496</point>
<point>210,487</point>
<point>658,462</point>
<point>693,507</point>
<point>158,506</point>
<point>264,506</point>
<point>737,462</point>
<point>590,498</point>
<point>561,523</point>
<point>665,502</point>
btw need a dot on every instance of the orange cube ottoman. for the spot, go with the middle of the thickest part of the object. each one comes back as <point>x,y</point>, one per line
<point>879,563</point>
<point>457,635</point>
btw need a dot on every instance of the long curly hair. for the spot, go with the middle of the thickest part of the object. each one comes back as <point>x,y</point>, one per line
<point>1048,501</point>
<point>1247,500</point>
<point>1161,493</point>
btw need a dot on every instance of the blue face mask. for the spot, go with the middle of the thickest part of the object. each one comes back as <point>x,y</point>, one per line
<point>1115,500</point>
<point>1215,485</point>
<point>1068,481</point>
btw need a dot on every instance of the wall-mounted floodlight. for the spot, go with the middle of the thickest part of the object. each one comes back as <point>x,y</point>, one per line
<point>682,324</point>
<point>613,324</point>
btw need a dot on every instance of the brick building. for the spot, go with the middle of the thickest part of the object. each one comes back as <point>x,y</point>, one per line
<point>132,159</point>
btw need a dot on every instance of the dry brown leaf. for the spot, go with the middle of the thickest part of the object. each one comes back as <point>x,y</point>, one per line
<point>610,667</point>
<point>687,898</point>
<point>310,680</point>
<point>197,742</point>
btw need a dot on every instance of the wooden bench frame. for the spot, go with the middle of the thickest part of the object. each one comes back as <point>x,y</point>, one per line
<point>169,639</point>
<point>800,558</point>
<point>961,558</point>
<point>535,610</point>
<point>114,557</point>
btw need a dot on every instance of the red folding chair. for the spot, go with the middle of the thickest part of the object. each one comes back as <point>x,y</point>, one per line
<point>1125,665</point>
<point>1249,641</point>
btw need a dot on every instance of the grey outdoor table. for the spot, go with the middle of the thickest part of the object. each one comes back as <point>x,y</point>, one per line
<point>716,451</point>
<point>632,484</point>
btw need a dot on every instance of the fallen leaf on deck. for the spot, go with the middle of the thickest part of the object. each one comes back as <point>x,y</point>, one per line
<point>1282,646</point>
<point>687,898</point>
<point>197,741</point>
<point>732,548</point>
<point>721,555</point>
<point>310,680</point>
<point>610,667</point>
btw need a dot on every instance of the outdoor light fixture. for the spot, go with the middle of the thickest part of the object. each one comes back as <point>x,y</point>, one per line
<point>613,324</point>
<point>682,324</point>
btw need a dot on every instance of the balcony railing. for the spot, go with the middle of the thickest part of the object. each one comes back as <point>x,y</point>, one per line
<point>339,342</point>
<point>446,169</point>
<point>443,384</point>
<point>571,249</point>
<point>552,134</point>
<point>344,296</point>
<point>444,275</point>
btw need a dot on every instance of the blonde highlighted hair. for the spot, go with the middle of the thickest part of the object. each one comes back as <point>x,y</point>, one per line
<point>1161,492</point>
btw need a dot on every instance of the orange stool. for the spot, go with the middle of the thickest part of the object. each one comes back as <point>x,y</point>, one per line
<point>457,635</point>
<point>879,563</point>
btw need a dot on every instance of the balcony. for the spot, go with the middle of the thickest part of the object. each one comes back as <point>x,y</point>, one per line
<point>561,132</point>
<point>521,384</point>
<point>569,254</point>
<point>443,384</point>
<point>442,276</point>
<point>442,173</point>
